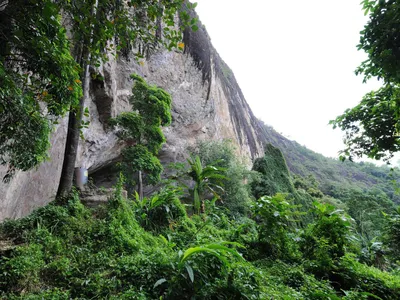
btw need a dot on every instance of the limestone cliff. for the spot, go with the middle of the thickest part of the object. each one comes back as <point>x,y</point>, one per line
<point>207,105</point>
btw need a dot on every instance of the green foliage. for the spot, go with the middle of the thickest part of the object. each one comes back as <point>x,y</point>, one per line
<point>135,25</point>
<point>36,71</point>
<point>206,179</point>
<point>162,210</point>
<point>367,209</point>
<point>372,127</point>
<point>275,174</point>
<point>138,158</point>
<point>302,284</point>
<point>276,219</point>
<point>369,281</point>
<point>392,234</point>
<point>23,268</point>
<point>324,242</point>
<point>42,72</point>
<point>373,254</point>
<point>309,185</point>
<point>109,255</point>
<point>151,249</point>
<point>219,250</point>
<point>335,178</point>
<point>151,109</point>
<point>236,197</point>
<point>274,177</point>
<point>131,125</point>
<point>152,102</point>
<point>363,190</point>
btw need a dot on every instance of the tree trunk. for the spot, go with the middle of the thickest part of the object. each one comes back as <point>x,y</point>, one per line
<point>71,145</point>
<point>159,22</point>
<point>140,186</point>
<point>74,122</point>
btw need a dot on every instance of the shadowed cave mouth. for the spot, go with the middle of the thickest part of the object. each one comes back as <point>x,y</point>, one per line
<point>106,176</point>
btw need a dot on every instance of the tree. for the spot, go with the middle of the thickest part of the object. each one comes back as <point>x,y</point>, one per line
<point>207,179</point>
<point>275,217</point>
<point>39,80</point>
<point>42,73</point>
<point>141,129</point>
<point>83,52</point>
<point>236,195</point>
<point>274,174</point>
<point>326,240</point>
<point>373,127</point>
<point>96,24</point>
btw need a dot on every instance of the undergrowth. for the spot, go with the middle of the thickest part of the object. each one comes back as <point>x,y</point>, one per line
<point>152,249</point>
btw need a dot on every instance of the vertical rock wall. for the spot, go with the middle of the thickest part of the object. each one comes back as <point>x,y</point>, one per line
<point>207,105</point>
<point>30,190</point>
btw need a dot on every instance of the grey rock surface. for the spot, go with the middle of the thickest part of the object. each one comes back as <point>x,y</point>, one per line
<point>35,188</point>
<point>207,105</point>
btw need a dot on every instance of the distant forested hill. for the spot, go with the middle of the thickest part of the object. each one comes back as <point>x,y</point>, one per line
<point>335,178</point>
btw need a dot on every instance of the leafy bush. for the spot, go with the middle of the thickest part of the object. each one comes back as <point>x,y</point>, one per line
<point>236,196</point>
<point>351,274</point>
<point>21,270</point>
<point>161,210</point>
<point>295,277</point>
<point>324,242</point>
<point>276,219</point>
<point>207,179</point>
<point>274,177</point>
<point>392,237</point>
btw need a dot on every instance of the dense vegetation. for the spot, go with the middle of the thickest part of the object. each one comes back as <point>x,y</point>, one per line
<point>288,243</point>
<point>363,189</point>
<point>335,177</point>
<point>213,229</point>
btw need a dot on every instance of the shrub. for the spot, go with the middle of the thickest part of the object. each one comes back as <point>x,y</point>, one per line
<point>236,196</point>
<point>276,219</point>
<point>324,242</point>
<point>161,210</point>
<point>353,275</point>
<point>21,271</point>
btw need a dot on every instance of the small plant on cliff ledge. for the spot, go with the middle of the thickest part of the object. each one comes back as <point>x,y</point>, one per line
<point>141,129</point>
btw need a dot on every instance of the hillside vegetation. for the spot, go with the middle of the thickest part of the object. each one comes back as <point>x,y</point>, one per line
<point>335,177</point>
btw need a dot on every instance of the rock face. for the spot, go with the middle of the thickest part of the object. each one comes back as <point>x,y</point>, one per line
<point>207,105</point>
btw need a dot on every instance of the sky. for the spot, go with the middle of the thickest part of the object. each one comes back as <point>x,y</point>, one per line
<point>294,61</point>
